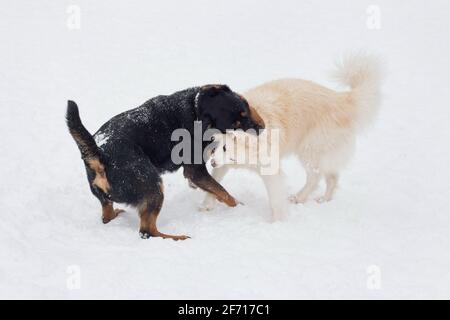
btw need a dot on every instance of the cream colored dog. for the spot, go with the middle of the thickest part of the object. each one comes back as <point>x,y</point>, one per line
<point>315,123</point>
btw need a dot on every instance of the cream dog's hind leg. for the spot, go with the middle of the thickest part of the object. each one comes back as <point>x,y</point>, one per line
<point>331,180</point>
<point>312,181</point>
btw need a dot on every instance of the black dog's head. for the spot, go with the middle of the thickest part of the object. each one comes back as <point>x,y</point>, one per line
<point>220,108</point>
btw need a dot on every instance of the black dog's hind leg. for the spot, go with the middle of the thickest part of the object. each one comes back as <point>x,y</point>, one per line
<point>148,212</point>
<point>108,212</point>
<point>200,176</point>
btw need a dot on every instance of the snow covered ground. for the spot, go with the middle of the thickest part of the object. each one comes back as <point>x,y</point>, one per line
<point>386,234</point>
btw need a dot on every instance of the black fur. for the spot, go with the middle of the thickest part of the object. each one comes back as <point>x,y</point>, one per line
<point>135,146</point>
<point>85,141</point>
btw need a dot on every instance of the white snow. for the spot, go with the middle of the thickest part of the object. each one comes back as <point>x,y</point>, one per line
<point>386,234</point>
<point>101,139</point>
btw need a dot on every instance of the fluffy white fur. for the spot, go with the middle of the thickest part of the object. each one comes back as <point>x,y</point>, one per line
<point>315,123</point>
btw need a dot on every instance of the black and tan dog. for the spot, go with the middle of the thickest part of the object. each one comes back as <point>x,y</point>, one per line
<point>127,155</point>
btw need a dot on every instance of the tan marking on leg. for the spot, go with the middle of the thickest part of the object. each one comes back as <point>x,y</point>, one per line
<point>202,179</point>
<point>221,194</point>
<point>148,224</point>
<point>109,213</point>
<point>148,212</point>
<point>100,180</point>
<point>226,198</point>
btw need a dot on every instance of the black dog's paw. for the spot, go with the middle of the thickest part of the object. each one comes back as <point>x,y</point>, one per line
<point>144,234</point>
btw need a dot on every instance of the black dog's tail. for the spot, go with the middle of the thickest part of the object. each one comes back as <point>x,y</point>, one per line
<point>82,137</point>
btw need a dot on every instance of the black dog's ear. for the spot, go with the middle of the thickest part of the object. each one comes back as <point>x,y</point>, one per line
<point>209,91</point>
<point>209,102</point>
<point>212,90</point>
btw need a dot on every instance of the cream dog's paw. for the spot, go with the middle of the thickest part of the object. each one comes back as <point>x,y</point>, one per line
<point>296,199</point>
<point>207,205</point>
<point>323,199</point>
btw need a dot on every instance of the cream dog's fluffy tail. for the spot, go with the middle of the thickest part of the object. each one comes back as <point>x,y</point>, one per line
<point>363,74</point>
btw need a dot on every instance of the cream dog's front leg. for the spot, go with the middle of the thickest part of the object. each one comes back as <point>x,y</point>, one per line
<point>276,191</point>
<point>209,202</point>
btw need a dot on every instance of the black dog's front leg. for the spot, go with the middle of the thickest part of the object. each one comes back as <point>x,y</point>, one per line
<point>200,176</point>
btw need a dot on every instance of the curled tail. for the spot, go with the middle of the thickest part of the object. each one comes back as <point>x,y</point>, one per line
<point>363,74</point>
<point>82,137</point>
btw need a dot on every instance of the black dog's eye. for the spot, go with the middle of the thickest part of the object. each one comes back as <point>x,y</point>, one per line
<point>243,114</point>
